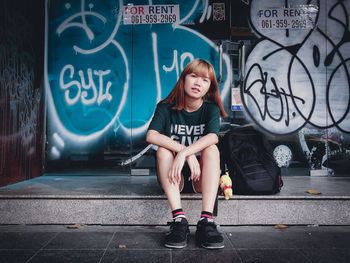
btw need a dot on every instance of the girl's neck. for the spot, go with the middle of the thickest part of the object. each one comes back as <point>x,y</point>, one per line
<point>192,105</point>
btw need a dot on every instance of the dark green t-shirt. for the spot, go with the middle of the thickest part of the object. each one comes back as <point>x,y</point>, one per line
<point>186,127</point>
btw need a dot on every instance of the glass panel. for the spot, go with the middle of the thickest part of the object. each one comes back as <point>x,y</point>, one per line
<point>88,85</point>
<point>297,83</point>
<point>160,52</point>
<point>337,139</point>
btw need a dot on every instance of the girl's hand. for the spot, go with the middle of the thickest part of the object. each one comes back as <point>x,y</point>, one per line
<point>194,166</point>
<point>175,171</point>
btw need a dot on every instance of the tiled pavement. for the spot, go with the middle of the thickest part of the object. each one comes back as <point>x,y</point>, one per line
<point>57,243</point>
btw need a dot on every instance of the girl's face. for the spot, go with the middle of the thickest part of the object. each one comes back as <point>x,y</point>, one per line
<point>196,86</point>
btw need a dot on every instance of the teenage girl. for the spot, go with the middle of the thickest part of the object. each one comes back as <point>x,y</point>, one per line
<point>185,127</point>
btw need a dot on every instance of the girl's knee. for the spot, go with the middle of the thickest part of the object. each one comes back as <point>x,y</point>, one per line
<point>164,154</point>
<point>211,152</point>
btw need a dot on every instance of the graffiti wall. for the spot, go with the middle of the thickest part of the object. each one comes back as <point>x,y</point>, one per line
<point>297,75</point>
<point>105,75</point>
<point>21,90</point>
<point>108,63</point>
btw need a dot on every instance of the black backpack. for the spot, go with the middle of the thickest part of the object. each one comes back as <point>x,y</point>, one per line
<point>248,157</point>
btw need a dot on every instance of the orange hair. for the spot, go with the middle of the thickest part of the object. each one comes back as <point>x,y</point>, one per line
<point>201,68</point>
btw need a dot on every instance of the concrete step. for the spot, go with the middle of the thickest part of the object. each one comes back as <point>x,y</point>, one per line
<point>138,200</point>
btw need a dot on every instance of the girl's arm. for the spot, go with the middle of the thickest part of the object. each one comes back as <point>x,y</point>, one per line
<point>202,143</point>
<point>156,138</point>
<point>199,145</point>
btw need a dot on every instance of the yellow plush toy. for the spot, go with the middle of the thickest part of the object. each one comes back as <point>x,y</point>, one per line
<point>226,185</point>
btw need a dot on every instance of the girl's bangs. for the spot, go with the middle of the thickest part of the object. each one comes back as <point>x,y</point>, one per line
<point>202,72</point>
<point>201,69</point>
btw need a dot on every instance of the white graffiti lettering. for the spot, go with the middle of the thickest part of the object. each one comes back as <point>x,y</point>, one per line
<point>175,64</point>
<point>73,88</point>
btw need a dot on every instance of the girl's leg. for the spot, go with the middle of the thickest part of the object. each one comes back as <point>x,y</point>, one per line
<point>179,232</point>
<point>207,234</point>
<point>165,159</point>
<point>210,176</point>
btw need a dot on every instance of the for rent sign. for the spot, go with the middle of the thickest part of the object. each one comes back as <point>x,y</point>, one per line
<point>151,14</point>
<point>300,17</point>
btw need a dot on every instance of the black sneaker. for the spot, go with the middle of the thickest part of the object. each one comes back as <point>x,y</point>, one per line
<point>178,234</point>
<point>207,235</point>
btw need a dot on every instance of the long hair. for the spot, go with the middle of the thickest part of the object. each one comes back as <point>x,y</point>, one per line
<point>201,68</point>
